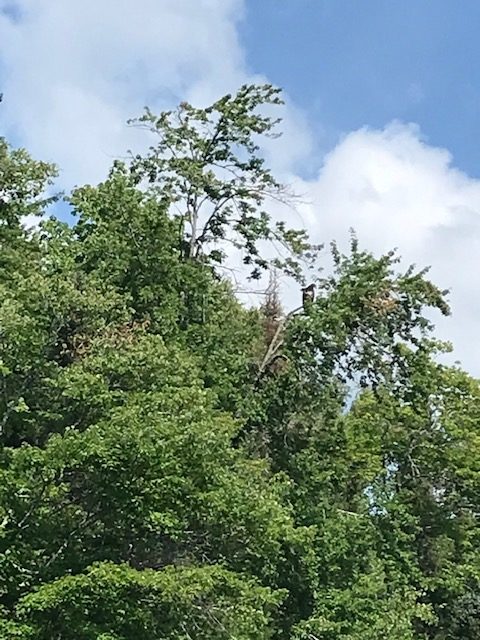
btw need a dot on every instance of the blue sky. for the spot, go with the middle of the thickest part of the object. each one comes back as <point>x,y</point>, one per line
<point>380,124</point>
<point>351,63</point>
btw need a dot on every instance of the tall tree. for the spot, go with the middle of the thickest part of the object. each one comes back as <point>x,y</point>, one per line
<point>206,165</point>
<point>176,465</point>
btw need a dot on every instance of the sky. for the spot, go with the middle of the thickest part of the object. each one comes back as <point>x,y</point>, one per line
<point>380,124</point>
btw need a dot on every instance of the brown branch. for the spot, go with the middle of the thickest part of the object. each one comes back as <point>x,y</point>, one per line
<point>275,344</point>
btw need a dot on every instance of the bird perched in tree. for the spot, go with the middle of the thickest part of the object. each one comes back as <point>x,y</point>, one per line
<point>308,294</point>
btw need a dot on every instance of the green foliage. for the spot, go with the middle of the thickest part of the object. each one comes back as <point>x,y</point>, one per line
<point>206,163</point>
<point>144,487</point>
<point>23,183</point>
<point>117,602</point>
<point>366,317</point>
<point>175,465</point>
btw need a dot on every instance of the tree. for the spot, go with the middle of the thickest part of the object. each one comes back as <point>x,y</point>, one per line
<point>185,602</point>
<point>206,164</point>
<point>23,182</point>
<point>176,465</point>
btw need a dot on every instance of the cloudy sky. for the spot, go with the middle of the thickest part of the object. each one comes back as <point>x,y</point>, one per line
<point>381,122</point>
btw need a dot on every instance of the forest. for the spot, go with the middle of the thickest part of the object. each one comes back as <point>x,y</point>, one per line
<point>179,465</point>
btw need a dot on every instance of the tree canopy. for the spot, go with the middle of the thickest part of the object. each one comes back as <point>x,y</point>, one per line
<point>177,465</point>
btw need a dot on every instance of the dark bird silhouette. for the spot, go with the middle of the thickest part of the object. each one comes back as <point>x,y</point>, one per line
<point>308,294</point>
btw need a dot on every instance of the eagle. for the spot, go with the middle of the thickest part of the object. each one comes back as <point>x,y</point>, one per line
<point>308,295</point>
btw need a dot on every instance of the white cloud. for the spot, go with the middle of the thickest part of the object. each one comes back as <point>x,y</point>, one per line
<point>395,190</point>
<point>73,72</point>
